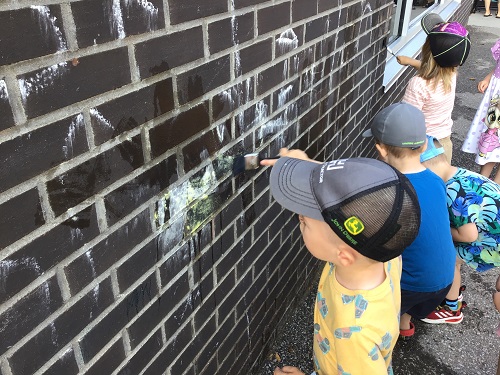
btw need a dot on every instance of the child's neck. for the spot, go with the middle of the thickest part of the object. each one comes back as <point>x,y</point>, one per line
<point>362,277</point>
<point>406,165</point>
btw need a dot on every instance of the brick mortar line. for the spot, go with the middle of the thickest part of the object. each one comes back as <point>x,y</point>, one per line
<point>69,26</point>
<point>15,98</point>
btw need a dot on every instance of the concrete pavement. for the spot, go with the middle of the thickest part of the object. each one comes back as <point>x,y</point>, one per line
<point>471,347</point>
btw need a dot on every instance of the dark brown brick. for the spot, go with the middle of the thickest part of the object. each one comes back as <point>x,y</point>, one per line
<point>137,265</point>
<point>188,10</point>
<point>178,316</point>
<point>84,311</point>
<point>109,361</point>
<point>165,304</point>
<point>316,28</point>
<point>125,199</point>
<point>132,110</point>
<point>6,116</point>
<point>230,32</point>
<point>202,79</point>
<point>273,17</point>
<point>324,5</point>
<point>22,317</point>
<point>139,360</point>
<point>178,343</point>
<point>207,145</point>
<point>21,215</point>
<point>176,130</point>
<point>143,16</point>
<point>103,255</point>
<point>116,319</point>
<point>174,264</point>
<point>97,22</point>
<point>65,364</point>
<point>245,3</point>
<point>29,33</point>
<point>87,179</point>
<point>40,150</point>
<point>303,9</point>
<point>269,78</point>
<point>256,55</point>
<point>25,265</point>
<point>69,82</point>
<point>62,330</point>
<point>160,54</point>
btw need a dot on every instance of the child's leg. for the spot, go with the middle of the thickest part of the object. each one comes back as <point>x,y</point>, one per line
<point>404,321</point>
<point>454,291</point>
<point>497,176</point>
<point>487,169</point>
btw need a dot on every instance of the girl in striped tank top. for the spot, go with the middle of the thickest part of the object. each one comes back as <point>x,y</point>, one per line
<point>432,90</point>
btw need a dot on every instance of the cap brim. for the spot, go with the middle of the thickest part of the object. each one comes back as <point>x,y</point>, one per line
<point>429,21</point>
<point>432,151</point>
<point>367,133</point>
<point>290,183</point>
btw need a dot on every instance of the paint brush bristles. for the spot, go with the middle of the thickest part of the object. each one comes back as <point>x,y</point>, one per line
<point>242,163</point>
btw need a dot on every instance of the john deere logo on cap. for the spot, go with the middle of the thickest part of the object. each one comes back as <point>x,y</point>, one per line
<point>353,225</point>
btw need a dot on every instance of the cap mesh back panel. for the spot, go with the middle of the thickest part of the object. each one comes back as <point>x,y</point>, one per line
<point>374,209</point>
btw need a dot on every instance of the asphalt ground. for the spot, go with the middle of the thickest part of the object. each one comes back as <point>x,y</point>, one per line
<point>471,347</point>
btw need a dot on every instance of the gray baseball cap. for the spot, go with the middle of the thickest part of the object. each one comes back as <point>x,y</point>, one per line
<point>399,124</point>
<point>369,204</point>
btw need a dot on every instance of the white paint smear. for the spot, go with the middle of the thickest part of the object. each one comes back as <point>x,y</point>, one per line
<point>10,266</point>
<point>149,12</point>
<point>48,25</point>
<point>287,41</point>
<point>41,80</point>
<point>116,20</point>
<point>101,120</point>
<point>70,138</point>
<point>3,90</point>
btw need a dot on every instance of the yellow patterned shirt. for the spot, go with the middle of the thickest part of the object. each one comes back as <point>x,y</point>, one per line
<point>355,330</point>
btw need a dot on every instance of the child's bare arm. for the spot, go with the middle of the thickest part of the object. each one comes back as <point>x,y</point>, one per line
<point>483,85</point>
<point>295,153</point>
<point>405,60</point>
<point>466,233</point>
<point>288,370</point>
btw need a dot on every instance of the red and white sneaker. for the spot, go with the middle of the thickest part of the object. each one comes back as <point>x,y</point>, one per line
<point>443,314</point>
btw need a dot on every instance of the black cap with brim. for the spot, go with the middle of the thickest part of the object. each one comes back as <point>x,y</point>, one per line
<point>364,201</point>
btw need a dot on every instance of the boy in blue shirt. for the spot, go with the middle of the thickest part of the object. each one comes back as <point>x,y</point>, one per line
<point>428,263</point>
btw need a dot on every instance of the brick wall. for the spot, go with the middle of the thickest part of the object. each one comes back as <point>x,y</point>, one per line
<point>127,245</point>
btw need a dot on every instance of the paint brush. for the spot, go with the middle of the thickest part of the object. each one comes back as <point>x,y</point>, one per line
<point>242,163</point>
<point>390,51</point>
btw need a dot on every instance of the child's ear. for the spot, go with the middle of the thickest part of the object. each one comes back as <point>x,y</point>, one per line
<point>346,256</point>
<point>382,151</point>
<point>424,147</point>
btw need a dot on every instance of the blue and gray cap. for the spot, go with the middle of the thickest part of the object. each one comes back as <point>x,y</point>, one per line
<point>400,125</point>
